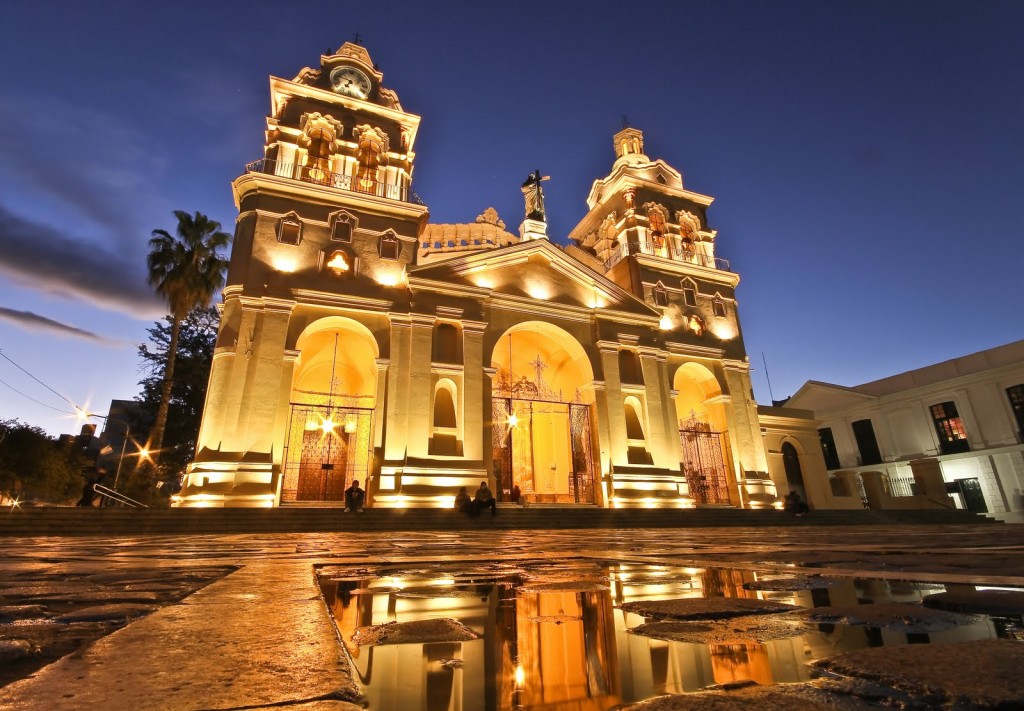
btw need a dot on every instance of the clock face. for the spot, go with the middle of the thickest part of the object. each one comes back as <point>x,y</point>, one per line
<point>351,82</point>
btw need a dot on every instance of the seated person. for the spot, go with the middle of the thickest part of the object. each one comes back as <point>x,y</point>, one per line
<point>463,503</point>
<point>354,497</point>
<point>793,504</point>
<point>484,499</point>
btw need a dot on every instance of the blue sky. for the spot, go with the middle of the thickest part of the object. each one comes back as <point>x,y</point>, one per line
<point>867,158</point>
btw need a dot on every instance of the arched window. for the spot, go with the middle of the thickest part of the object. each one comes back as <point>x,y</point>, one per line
<point>634,428</point>
<point>689,293</point>
<point>444,409</point>
<point>318,155</point>
<point>629,368</point>
<point>791,461</point>
<point>660,296</point>
<point>389,246</point>
<point>446,344</point>
<point>444,438</point>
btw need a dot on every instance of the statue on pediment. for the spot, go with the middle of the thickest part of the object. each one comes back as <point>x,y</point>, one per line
<point>534,196</point>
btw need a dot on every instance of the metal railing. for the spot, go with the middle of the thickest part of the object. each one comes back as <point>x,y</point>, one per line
<point>340,181</point>
<point>666,251</point>
<point>897,486</point>
<point>115,497</point>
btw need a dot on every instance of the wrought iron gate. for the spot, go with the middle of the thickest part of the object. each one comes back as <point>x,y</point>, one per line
<point>704,462</point>
<point>326,448</point>
<point>581,476</point>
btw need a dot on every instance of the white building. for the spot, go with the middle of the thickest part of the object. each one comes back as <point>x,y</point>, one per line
<point>967,412</point>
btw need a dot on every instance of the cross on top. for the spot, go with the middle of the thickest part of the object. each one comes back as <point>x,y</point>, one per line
<point>538,365</point>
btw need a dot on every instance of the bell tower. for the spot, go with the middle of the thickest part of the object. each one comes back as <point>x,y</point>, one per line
<point>327,226</point>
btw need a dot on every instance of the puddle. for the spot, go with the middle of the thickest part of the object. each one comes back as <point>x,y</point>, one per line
<point>581,635</point>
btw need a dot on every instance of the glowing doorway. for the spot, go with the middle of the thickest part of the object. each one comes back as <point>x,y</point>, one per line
<point>542,422</point>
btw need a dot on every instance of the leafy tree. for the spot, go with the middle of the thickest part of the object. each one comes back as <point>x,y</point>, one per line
<point>197,337</point>
<point>35,466</point>
<point>186,269</point>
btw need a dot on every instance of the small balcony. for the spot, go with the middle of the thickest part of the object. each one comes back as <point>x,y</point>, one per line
<point>666,250</point>
<point>340,181</point>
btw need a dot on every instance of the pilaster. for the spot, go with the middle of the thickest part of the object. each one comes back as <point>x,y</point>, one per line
<point>474,411</point>
<point>662,439</point>
<point>615,431</point>
<point>397,405</point>
<point>420,390</point>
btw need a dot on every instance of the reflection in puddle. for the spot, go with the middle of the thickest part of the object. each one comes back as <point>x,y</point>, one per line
<point>554,636</point>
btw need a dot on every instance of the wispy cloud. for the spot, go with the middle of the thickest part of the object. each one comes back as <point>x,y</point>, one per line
<point>35,322</point>
<point>49,259</point>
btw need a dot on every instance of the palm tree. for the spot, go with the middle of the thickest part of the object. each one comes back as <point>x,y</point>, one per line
<point>186,271</point>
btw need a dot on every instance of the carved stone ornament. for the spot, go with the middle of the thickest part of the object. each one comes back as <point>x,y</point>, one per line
<point>490,217</point>
<point>308,76</point>
<point>310,123</point>
<point>389,98</point>
<point>366,132</point>
<point>629,195</point>
<point>689,224</point>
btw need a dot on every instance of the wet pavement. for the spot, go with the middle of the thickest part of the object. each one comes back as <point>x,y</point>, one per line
<point>498,619</point>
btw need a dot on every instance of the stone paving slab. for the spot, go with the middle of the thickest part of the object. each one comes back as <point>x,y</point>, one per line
<point>254,638</point>
<point>262,637</point>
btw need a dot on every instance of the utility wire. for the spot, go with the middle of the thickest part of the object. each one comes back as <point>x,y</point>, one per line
<point>62,397</point>
<point>34,400</point>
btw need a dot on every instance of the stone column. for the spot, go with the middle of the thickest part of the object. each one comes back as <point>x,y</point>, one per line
<point>487,420</point>
<point>928,475</point>
<point>614,432</point>
<point>420,392</point>
<point>663,438</point>
<point>874,489</point>
<point>475,413</point>
<point>396,412</point>
<point>261,405</point>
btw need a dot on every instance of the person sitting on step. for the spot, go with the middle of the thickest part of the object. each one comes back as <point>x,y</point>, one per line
<point>484,499</point>
<point>354,497</point>
<point>463,504</point>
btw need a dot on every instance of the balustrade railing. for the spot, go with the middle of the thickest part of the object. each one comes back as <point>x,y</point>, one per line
<point>667,250</point>
<point>342,181</point>
<point>900,485</point>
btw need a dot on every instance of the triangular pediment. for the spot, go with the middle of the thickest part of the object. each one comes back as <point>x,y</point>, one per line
<point>535,270</point>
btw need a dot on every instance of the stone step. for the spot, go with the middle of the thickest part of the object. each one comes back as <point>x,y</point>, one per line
<point>65,521</point>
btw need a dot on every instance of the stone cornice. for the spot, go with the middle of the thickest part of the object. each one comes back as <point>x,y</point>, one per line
<point>310,297</point>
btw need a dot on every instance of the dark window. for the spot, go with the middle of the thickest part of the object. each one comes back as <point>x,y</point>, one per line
<point>828,448</point>
<point>446,344</point>
<point>950,428</point>
<point>689,293</point>
<point>719,307</point>
<point>794,475</point>
<point>1016,395</point>
<point>389,246</point>
<point>342,231</point>
<point>866,442</point>
<point>629,368</point>
<point>289,231</point>
<point>660,296</point>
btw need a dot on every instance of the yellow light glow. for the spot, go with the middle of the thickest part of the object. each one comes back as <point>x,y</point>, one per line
<point>483,282</point>
<point>513,420</point>
<point>312,425</point>
<point>286,263</point>
<point>390,278</point>
<point>520,675</point>
<point>327,425</point>
<point>144,453</point>
<point>338,264</point>
<point>351,424</point>
<point>724,330</point>
<point>666,323</point>
<point>538,291</point>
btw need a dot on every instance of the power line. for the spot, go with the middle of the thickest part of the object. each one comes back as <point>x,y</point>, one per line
<point>34,400</point>
<point>62,397</point>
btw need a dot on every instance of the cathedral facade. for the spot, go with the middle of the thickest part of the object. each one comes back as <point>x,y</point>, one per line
<point>359,341</point>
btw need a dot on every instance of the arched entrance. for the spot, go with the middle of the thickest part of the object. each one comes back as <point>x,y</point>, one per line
<point>330,421</point>
<point>794,475</point>
<point>542,416</point>
<point>703,434</point>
